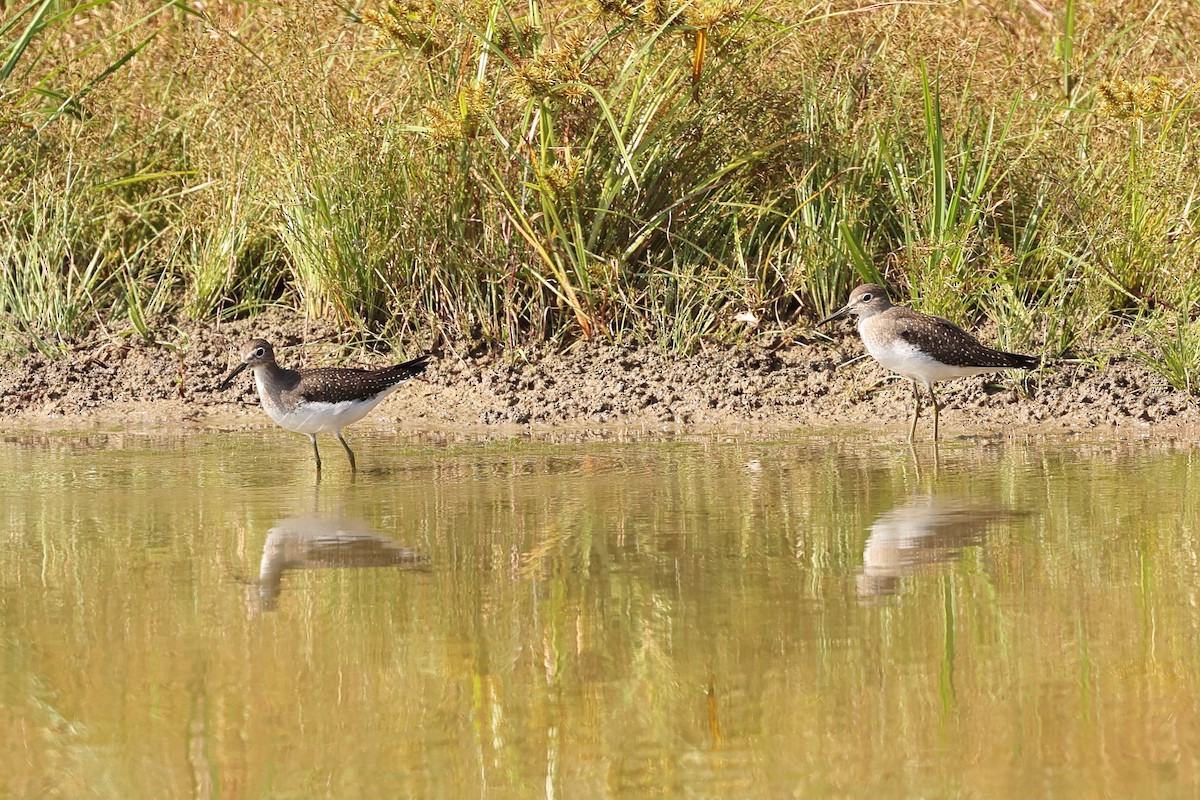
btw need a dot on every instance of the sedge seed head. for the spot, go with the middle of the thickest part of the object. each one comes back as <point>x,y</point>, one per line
<point>408,23</point>
<point>713,14</point>
<point>442,126</point>
<point>624,9</point>
<point>521,35</point>
<point>553,73</point>
<point>708,14</point>
<point>1122,100</point>
<point>459,118</point>
<point>560,177</point>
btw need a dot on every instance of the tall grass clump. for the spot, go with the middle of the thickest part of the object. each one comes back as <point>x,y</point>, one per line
<point>611,151</point>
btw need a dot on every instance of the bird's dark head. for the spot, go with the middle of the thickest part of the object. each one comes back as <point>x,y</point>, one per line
<point>865,301</point>
<point>255,353</point>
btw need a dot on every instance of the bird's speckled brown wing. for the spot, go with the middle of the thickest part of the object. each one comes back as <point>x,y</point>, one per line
<point>951,345</point>
<point>339,384</point>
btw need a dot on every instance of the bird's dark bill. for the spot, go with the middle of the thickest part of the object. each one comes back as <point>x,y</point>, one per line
<point>229,378</point>
<point>841,312</point>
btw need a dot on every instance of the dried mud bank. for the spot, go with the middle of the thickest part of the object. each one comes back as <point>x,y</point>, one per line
<point>127,383</point>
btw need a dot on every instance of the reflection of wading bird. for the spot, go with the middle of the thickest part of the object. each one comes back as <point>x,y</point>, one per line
<point>318,542</point>
<point>922,532</point>
<point>922,348</point>
<point>322,400</point>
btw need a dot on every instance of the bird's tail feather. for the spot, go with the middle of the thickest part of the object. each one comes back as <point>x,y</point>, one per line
<point>1022,361</point>
<point>409,369</point>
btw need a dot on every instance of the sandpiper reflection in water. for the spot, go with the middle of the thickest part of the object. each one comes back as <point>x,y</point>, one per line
<point>316,542</point>
<point>922,532</point>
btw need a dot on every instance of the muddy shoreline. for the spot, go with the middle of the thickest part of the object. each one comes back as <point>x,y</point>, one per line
<point>766,386</point>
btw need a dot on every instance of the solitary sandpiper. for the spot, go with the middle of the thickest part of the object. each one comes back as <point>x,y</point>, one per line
<point>922,348</point>
<point>322,400</point>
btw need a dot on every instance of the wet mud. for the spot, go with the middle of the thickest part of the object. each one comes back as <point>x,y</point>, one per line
<point>766,385</point>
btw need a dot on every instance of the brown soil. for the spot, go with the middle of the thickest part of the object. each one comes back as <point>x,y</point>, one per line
<point>126,382</point>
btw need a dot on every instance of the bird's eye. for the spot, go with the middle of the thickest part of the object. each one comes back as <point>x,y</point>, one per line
<point>866,298</point>
<point>259,353</point>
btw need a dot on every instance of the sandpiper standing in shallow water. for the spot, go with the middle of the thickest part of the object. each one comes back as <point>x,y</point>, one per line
<point>922,348</point>
<point>322,400</point>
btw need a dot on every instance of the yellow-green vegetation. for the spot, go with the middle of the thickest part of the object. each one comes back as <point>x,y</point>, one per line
<point>644,169</point>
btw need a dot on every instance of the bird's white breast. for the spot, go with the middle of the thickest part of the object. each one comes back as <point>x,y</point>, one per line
<point>310,417</point>
<point>313,417</point>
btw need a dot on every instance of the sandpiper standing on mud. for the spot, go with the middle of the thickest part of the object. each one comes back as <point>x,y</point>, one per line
<point>321,400</point>
<point>922,348</point>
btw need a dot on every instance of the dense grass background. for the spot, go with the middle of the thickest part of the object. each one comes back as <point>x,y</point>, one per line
<point>642,170</point>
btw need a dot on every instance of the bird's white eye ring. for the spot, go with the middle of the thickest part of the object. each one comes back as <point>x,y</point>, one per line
<point>866,298</point>
<point>259,353</point>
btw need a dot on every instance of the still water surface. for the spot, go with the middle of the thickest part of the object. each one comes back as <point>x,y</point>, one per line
<point>577,617</point>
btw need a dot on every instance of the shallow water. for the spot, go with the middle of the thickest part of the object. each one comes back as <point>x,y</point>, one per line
<point>700,617</point>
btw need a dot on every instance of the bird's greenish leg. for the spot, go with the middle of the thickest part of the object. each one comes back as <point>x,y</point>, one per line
<point>912,430</point>
<point>936,409</point>
<point>349,452</point>
<point>316,452</point>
